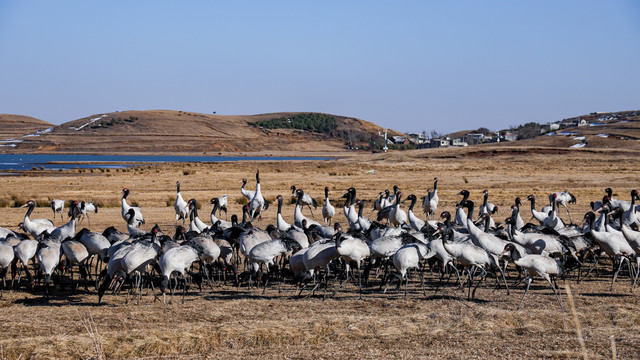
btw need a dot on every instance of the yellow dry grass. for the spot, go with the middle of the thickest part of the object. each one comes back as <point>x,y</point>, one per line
<point>222,322</point>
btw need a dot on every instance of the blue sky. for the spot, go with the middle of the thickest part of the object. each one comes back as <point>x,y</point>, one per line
<point>409,65</point>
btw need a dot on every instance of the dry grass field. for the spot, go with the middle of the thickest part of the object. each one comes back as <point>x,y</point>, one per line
<point>223,322</point>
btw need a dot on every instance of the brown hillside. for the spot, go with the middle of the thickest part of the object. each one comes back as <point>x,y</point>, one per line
<point>166,131</point>
<point>14,126</point>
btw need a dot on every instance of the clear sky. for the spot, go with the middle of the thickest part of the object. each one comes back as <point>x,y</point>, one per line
<point>406,65</point>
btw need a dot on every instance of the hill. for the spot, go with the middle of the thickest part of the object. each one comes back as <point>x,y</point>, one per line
<point>617,130</point>
<point>614,130</point>
<point>170,132</point>
<point>15,126</point>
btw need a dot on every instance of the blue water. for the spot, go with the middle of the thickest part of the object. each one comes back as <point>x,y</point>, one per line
<point>56,162</point>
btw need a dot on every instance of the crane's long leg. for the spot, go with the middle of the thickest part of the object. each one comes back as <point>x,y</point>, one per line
<point>554,291</point>
<point>505,281</point>
<point>528,280</point>
<point>359,281</point>
<point>568,213</point>
<point>615,274</point>
<point>637,272</point>
<point>473,294</point>
<point>326,283</point>
<point>406,284</point>
<point>422,280</point>
<point>346,278</point>
<point>470,279</point>
<point>173,290</point>
<point>19,275</point>
<point>266,282</point>
<point>184,289</point>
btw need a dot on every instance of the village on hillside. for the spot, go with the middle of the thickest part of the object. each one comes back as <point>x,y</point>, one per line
<point>484,135</point>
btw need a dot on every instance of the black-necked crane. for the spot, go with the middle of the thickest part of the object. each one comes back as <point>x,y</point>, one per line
<point>461,216</point>
<point>132,224</point>
<point>538,215</point>
<point>415,222</point>
<point>219,223</point>
<point>296,264</point>
<point>563,198</point>
<point>6,259</point>
<point>318,256</point>
<point>629,216</point>
<point>397,216</point>
<point>24,251</point>
<point>114,235</point>
<point>57,206</point>
<point>4,232</point>
<point>552,221</point>
<point>265,252</point>
<point>245,192</point>
<point>194,221</point>
<point>85,209</point>
<point>541,265</point>
<point>328,211</point>
<point>408,257</point>
<point>306,200</point>
<point>515,213</point>
<point>377,204</point>
<point>633,238</point>
<point>223,203</point>
<point>251,237</point>
<point>67,230</point>
<point>363,222</point>
<point>537,242</point>
<point>96,244</point>
<point>469,255</point>
<point>612,243</point>
<point>180,206</point>
<point>297,212</point>
<point>350,210</point>
<point>487,207</point>
<point>350,249</point>
<point>35,227</point>
<point>257,204</point>
<point>125,207</point>
<point>48,259</point>
<point>615,203</point>
<point>391,197</point>
<point>75,253</point>
<point>134,263</point>
<point>384,247</point>
<point>281,224</point>
<point>490,242</point>
<point>177,260</point>
<point>430,202</point>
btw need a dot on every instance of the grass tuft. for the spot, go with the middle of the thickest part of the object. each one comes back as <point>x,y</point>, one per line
<point>576,323</point>
<point>90,326</point>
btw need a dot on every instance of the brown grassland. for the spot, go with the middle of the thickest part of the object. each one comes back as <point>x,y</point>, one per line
<point>222,322</point>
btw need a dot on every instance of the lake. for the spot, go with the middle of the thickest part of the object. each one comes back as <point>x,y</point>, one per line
<point>19,162</point>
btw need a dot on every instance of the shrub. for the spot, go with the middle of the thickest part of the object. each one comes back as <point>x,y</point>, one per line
<point>316,122</point>
<point>171,201</point>
<point>43,203</point>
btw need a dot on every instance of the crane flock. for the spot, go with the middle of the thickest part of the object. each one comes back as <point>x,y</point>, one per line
<point>310,254</point>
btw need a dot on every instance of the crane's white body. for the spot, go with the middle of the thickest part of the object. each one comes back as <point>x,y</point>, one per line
<point>180,206</point>
<point>57,206</point>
